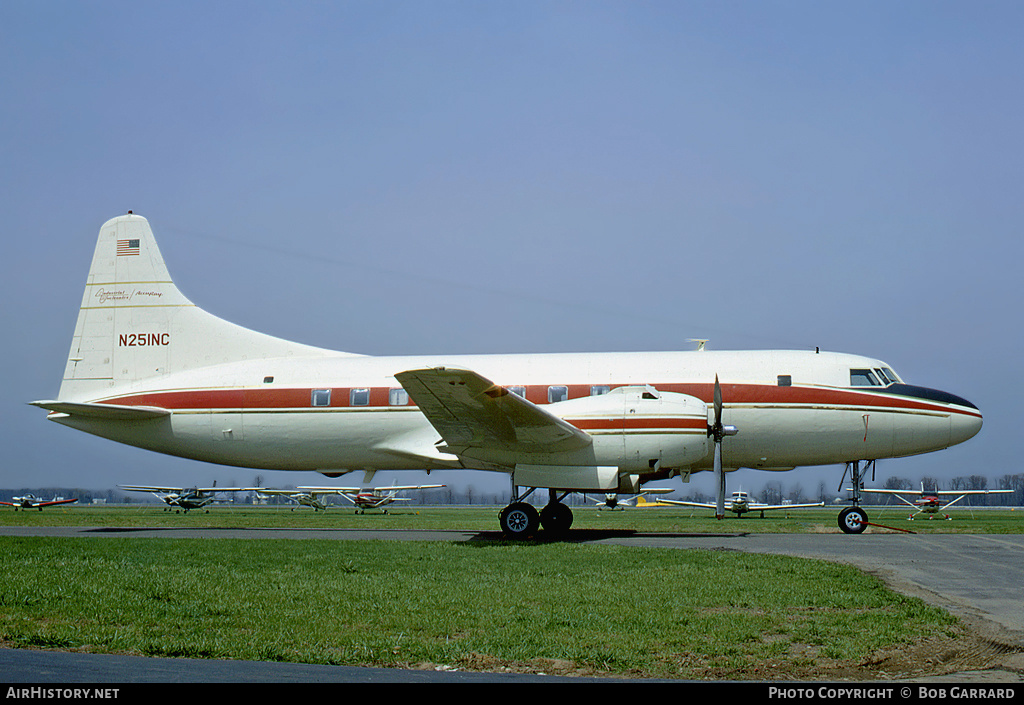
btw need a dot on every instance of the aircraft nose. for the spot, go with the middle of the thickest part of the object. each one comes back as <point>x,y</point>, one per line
<point>964,418</point>
<point>964,425</point>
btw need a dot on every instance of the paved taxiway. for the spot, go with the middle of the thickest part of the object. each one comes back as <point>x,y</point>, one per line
<point>977,577</point>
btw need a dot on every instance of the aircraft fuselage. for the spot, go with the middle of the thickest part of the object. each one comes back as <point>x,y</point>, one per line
<point>349,413</point>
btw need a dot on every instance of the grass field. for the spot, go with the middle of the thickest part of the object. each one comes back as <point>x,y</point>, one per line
<point>662,519</point>
<point>579,609</point>
<point>531,606</point>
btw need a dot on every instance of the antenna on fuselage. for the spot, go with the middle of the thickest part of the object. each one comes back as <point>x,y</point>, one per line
<point>701,342</point>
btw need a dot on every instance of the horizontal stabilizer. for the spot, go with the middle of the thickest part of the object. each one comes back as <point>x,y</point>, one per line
<point>103,411</point>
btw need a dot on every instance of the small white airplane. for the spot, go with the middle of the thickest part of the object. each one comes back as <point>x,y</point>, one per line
<point>612,500</point>
<point>30,501</point>
<point>182,498</point>
<point>740,504</point>
<point>362,497</point>
<point>301,497</point>
<point>931,502</point>
<point>149,368</point>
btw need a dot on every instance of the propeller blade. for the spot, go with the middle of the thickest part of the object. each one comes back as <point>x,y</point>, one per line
<point>720,478</point>
<point>718,403</point>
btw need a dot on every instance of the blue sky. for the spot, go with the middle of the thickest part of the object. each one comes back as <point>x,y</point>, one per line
<point>408,177</point>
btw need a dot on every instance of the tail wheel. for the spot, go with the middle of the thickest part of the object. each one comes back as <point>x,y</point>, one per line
<point>853,520</point>
<point>519,520</point>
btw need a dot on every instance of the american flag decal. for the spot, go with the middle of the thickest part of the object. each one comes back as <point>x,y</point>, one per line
<point>127,247</point>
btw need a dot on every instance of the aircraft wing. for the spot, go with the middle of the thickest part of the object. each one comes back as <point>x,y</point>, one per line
<point>333,490</point>
<point>470,411</point>
<point>966,492</point>
<point>766,507</point>
<point>407,487</point>
<point>918,493</point>
<point>55,501</point>
<point>150,488</point>
<point>357,490</point>
<point>681,503</point>
<point>160,488</point>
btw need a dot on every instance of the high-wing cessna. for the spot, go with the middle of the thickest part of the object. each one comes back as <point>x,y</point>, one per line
<point>30,501</point>
<point>182,498</point>
<point>362,497</point>
<point>931,502</point>
<point>149,368</point>
<point>303,498</point>
<point>740,503</point>
<point>612,500</point>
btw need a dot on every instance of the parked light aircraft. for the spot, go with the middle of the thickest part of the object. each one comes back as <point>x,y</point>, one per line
<point>182,498</point>
<point>149,368</point>
<point>362,497</point>
<point>930,502</point>
<point>30,501</point>
<point>612,500</point>
<point>740,504</point>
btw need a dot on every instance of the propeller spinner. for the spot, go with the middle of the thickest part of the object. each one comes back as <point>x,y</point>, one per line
<point>718,432</point>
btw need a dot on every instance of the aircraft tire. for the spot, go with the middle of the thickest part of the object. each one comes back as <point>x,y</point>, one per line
<point>519,520</point>
<point>556,518</point>
<point>853,520</point>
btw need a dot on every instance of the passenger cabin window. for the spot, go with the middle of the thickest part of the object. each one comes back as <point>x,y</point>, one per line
<point>599,389</point>
<point>785,380</point>
<point>864,378</point>
<point>321,397</point>
<point>556,394</point>
<point>359,397</point>
<point>398,397</point>
<point>268,379</point>
<point>518,391</point>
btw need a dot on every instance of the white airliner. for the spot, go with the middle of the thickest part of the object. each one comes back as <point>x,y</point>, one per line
<point>149,368</point>
<point>740,503</point>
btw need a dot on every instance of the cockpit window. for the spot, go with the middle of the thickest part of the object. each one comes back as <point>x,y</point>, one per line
<point>863,378</point>
<point>891,375</point>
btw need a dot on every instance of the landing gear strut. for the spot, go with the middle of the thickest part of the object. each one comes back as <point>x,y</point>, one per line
<point>853,520</point>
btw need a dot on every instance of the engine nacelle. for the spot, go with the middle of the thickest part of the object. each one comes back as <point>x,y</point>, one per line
<point>640,429</point>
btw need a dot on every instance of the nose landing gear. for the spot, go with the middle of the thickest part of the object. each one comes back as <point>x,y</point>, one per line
<point>853,520</point>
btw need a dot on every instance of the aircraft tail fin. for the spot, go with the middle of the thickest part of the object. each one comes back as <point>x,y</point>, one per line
<point>134,323</point>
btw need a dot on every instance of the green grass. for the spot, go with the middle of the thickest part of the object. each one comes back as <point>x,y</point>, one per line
<point>662,519</point>
<point>603,609</point>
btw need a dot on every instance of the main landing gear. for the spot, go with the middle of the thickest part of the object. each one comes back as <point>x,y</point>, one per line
<point>520,520</point>
<point>853,520</point>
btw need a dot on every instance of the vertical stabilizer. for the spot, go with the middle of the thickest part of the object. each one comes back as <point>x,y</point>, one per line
<point>134,323</point>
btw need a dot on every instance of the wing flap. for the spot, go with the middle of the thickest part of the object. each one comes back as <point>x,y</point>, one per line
<point>470,411</point>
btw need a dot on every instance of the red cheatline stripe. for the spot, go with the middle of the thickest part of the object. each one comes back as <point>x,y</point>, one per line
<point>642,422</point>
<point>735,395</point>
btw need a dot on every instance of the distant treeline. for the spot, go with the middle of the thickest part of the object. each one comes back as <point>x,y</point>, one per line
<point>774,491</point>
